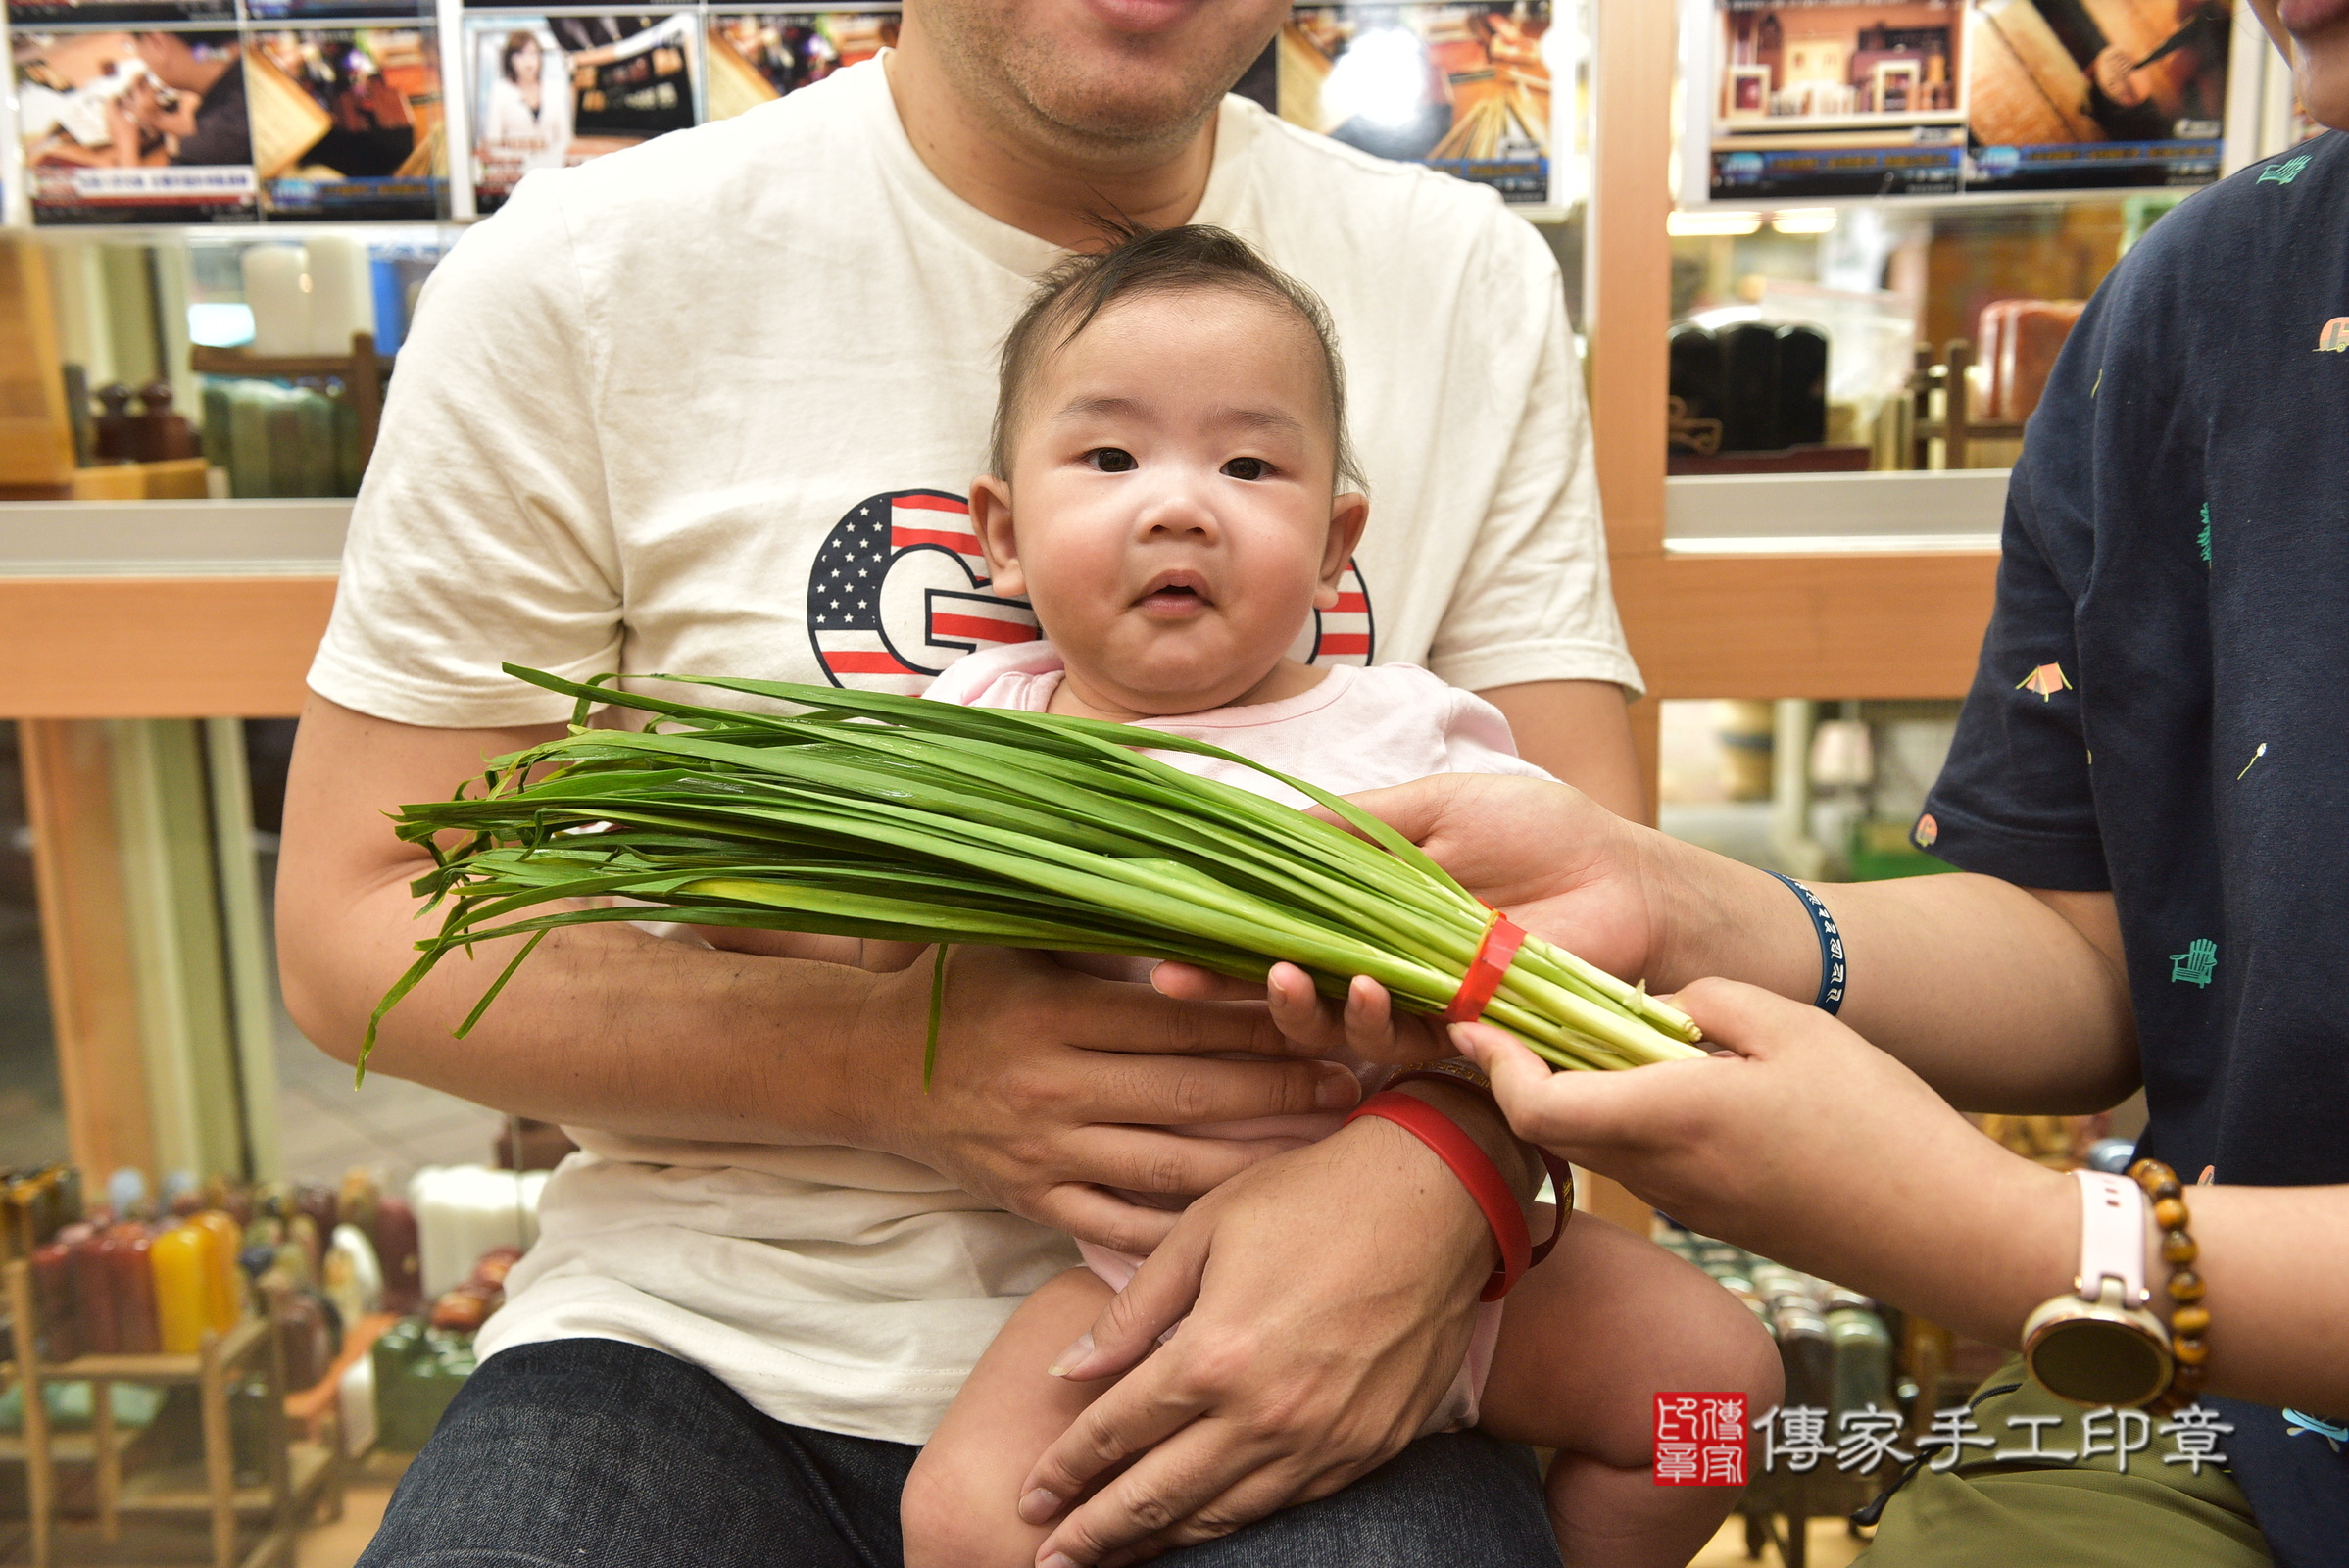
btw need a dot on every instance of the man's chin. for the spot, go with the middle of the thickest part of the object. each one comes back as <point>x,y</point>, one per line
<point>1124,72</point>
<point>1123,101</point>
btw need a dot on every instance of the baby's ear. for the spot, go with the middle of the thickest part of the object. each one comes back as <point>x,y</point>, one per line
<point>998,540</point>
<point>1349,514</point>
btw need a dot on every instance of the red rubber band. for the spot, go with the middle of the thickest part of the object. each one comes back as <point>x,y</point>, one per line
<point>1473,1168</point>
<point>1493,955</point>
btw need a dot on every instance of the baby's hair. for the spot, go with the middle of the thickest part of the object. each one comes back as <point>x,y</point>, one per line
<point>1164,261</point>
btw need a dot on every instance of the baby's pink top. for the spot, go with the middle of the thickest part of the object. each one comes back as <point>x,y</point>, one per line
<point>1360,729</point>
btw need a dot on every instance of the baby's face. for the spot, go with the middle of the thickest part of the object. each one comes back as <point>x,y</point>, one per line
<point>1169,512</point>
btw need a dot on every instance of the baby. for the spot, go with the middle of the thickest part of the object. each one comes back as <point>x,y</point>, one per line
<point>1174,493</point>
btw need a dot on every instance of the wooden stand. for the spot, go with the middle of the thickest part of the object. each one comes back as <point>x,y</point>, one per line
<point>1778,1509</point>
<point>36,1446</point>
<point>1954,428</point>
<point>300,1473</point>
<point>363,372</point>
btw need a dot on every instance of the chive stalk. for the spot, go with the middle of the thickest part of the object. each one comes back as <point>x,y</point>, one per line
<point>873,816</point>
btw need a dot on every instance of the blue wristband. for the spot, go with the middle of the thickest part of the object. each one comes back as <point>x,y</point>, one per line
<point>1830,999</point>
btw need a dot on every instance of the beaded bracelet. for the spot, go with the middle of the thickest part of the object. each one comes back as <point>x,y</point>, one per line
<point>2189,1320</point>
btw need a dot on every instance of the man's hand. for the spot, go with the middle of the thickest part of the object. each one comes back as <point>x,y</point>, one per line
<point>1052,1084</point>
<point>1335,1288</point>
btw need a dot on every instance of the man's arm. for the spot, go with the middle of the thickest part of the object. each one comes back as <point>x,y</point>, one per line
<point>1050,1083</point>
<point>1579,731</point>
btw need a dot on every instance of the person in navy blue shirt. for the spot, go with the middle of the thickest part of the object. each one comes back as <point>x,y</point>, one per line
<point>2149,790</point>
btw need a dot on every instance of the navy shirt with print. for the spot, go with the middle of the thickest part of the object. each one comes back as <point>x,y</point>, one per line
<point>2161,708</point>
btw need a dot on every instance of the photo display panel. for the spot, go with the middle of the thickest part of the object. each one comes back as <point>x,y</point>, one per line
<point>1463,89</point>
<point>34,16</point>
<point>1816,99</point>
<point>755,57</point>
<point>2084,94</point>
<point>347,123</point>
<point>552,89</point>
<point>146,125</point>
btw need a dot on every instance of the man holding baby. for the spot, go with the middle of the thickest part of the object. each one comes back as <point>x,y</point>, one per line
<point>715,405</point>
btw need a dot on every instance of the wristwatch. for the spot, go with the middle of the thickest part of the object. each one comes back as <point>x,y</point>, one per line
<point>2098,1344</point>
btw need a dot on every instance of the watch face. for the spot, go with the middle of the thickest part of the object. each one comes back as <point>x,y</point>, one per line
<point>2094,1361</point>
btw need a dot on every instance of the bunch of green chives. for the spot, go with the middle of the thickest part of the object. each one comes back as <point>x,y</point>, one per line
<point>903,819</point>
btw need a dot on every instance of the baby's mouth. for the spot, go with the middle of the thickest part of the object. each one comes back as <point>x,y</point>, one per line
<point>1175,593</point>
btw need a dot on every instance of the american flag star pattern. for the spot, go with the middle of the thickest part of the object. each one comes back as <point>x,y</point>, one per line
<point>899,592</point>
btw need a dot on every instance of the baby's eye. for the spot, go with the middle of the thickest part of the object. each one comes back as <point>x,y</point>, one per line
<point>1111,460</point>
<point>1247,469</point>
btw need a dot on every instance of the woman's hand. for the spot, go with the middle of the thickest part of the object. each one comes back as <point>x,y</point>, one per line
<point>1329,1291</point>
<point>1802,1142</point>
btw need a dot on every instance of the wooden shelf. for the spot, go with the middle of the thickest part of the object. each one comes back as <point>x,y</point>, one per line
<point>74,1447</point>
<point>156,1368</point>
<point>299,1473</point>
<point>236,361</point>
<point>180,1488</point>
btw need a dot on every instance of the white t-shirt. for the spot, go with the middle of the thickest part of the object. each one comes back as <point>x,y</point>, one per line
<point>710,405</point>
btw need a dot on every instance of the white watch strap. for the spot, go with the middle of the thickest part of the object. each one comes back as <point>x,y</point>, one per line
<point>2112,1235</point>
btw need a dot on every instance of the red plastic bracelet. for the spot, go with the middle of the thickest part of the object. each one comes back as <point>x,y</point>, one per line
<point>1476,1171</point>
<point>1561,1181</point>
<point>1486,971</point>
<point>1561,1174</point>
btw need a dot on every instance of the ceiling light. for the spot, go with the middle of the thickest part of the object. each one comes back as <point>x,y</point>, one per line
<point>1729,226</point>
<point>1806,220</point>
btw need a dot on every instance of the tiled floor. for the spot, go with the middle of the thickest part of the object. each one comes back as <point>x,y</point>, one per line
<point>338,1544</point>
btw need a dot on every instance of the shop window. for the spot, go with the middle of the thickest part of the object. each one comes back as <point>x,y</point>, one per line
<point>1809,789</point>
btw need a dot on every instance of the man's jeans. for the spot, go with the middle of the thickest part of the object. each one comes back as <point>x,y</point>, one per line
<point>590,1454</point>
